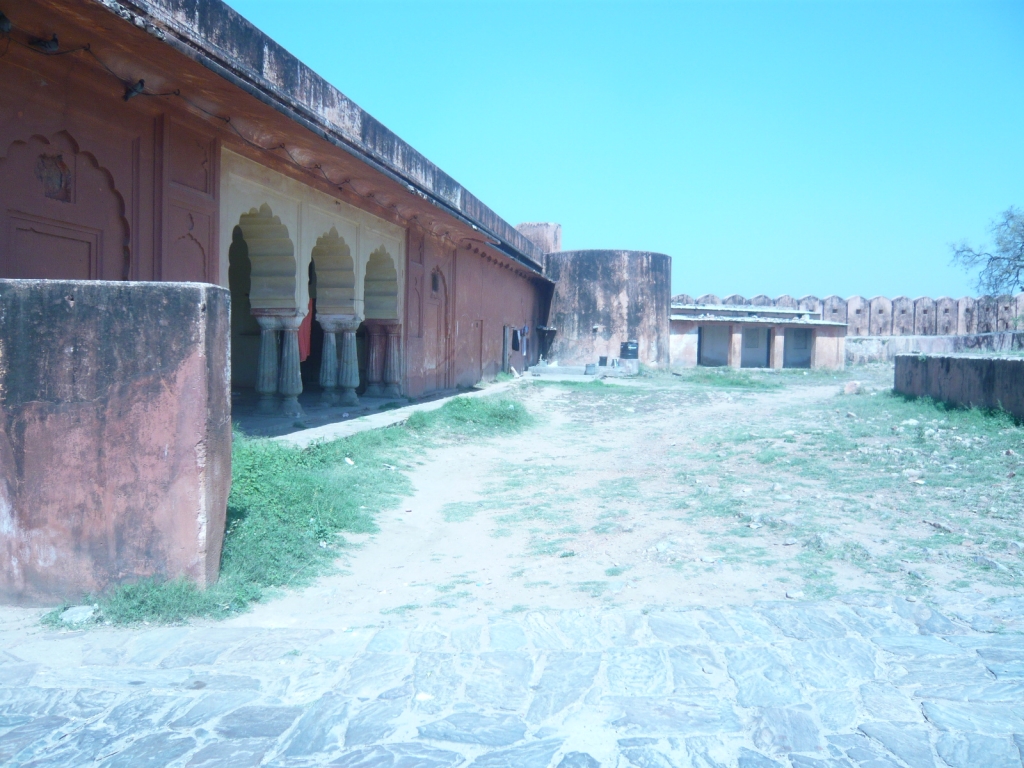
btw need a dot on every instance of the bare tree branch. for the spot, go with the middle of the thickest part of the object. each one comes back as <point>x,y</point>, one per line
<point>1002,268</point>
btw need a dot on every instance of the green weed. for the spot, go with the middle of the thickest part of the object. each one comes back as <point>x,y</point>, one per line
<point>287,507</point>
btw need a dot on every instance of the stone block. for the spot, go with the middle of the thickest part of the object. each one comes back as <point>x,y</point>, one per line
<point>857,316</point>
<point>924,316</point>
<point>902,317</point>
<point>810,304</point>
<point>880,317</point>
<point>115,434</point>
<point>945,316</point>
<point>988,314</point>
<point>1006,311</point>
<point>967,315</point>
<point>833,309</point>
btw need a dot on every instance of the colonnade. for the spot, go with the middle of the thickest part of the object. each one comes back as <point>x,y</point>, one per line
<point>278,376</point>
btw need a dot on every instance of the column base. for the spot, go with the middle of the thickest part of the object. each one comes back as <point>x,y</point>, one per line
<point>268,405</point>
<point>290,407</point>
<point>373,390</point>
<point>392,390</point>
<point>328,397</point>
<point>348,397</point>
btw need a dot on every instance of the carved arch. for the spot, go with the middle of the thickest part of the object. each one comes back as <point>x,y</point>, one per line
<point>335,274</point>
<point>271,255</point>
<point>64,215</point>
<point>380,287</point>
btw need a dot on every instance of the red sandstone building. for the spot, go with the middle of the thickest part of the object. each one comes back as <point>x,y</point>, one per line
<point>171,140</point>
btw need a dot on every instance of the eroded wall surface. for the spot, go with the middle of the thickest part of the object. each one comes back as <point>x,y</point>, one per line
<point>973,382</point>
<point>873,349</point>
<point>115,434</point>
<point>603,298</point>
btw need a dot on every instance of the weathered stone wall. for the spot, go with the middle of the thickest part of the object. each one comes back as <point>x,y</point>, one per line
<point>603,298</point>
<point>115,434</point>
<point>978,382</point>
<point>899,316</point>
<point>874,349</point>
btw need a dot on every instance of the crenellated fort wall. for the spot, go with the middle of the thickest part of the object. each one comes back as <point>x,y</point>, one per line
<point>899,316</point>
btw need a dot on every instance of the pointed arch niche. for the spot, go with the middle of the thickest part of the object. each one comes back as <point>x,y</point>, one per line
<point>335,275</point>
<point>380,286</point>
<point>61,215</point>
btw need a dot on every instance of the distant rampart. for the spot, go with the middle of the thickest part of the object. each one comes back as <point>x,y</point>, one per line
<point>899,316</point>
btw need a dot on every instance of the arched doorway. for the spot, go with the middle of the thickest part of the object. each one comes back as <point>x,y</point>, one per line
<point>332,291</point>
<point>245,331</point>
<point>272,364</point>
<point>436,335</point>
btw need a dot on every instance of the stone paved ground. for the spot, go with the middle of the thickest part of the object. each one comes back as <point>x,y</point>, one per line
<point>867,683</point>
<point>706,672</point>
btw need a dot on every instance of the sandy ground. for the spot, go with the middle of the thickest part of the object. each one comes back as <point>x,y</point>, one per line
<point>587,508</point>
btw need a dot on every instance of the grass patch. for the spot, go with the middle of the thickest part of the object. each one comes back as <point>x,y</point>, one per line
<point>401,610</point>
<point>730,378</point>
<point>287,507</point>
<point>768,455</point>
<point>459,511</point>
<point>592,588</point>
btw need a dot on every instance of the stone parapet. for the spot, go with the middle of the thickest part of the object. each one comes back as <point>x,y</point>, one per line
<point>899,316</point>
<point>880,349</point>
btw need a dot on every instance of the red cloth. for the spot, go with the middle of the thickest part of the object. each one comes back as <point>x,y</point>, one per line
<point>304,333</point>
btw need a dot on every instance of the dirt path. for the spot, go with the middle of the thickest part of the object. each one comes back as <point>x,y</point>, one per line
<point>586,508</point>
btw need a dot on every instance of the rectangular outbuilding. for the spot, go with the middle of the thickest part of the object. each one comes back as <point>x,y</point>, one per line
<point>747,336</point>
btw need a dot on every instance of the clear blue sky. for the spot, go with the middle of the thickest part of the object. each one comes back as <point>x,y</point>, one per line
<point>768,147</point>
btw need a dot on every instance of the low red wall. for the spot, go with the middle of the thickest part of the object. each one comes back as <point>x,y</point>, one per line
<point>115,434</point>
<point>973,382</point>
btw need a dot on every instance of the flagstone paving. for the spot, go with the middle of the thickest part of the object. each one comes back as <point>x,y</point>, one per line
<point>867,682</point>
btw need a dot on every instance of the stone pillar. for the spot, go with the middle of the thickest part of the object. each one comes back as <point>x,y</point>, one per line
<point>266,368</point>
<point>289,377</point>
<point>735,346</point>
<point>329,359</point>
<point>393,360</point>
<point>375,353</point>
<point>348,366</point>
<point>778,347</point>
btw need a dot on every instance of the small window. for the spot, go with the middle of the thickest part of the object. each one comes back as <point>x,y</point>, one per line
<point>858,311</point>
<point>435,282</point>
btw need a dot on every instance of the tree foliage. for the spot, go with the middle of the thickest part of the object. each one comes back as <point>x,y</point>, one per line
<point>1002,267</point>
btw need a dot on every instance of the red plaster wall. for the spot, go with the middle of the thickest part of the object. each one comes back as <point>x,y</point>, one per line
<point>454,336</point>
<point>93,187</point>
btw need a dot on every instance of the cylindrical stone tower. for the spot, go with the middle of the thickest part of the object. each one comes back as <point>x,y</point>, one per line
<point>603,298</point>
